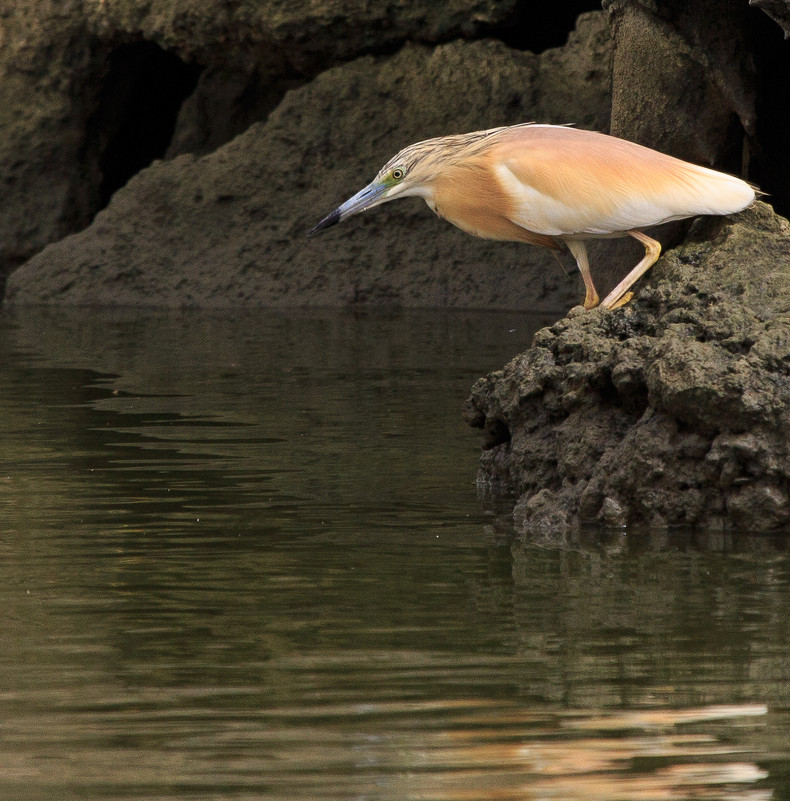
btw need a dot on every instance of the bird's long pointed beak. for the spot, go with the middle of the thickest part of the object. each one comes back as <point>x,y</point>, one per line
<point>371,195</point>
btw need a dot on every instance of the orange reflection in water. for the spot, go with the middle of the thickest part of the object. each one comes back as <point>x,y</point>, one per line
<point>626,762</point>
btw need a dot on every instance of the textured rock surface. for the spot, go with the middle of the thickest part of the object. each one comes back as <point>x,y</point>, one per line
<point>230,226</point>
<point>672,410</point>
<point>667,94</point>
<point>705,92</point>
<point>56,75</point>
<point>39,163</point>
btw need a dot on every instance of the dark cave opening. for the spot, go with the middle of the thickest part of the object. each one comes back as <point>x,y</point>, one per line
<point>136,108</point>
<point>769,165</point>
<point>537,27</point>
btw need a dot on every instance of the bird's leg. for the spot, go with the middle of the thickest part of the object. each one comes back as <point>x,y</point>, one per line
<point>617,297</point>
<point>579,252</point>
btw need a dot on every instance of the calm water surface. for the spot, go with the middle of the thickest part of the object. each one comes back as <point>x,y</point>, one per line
<point>244,559</point>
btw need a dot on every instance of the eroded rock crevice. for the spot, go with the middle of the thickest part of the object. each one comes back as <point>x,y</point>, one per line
<point>134,103</point>
<point>538,27</point>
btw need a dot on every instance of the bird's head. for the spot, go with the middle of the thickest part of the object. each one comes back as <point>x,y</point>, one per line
<point>407,174</point>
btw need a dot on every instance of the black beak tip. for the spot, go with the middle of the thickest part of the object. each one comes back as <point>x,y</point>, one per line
<point>330,219</point>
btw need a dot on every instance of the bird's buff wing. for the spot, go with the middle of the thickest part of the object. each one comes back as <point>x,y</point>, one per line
<point>563,181</point>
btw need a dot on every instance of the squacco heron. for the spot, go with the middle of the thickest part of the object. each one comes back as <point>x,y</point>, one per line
<point>546,184</point>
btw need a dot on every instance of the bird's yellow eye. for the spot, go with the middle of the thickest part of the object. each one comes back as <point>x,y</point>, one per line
<point>398,173</point>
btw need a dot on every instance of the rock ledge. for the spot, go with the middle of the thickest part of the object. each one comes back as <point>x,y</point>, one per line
<point>674,410</point>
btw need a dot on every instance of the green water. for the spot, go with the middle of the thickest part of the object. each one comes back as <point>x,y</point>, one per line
<point>245,559</point>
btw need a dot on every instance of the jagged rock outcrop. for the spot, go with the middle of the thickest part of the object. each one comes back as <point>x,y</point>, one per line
<point>673,410</point>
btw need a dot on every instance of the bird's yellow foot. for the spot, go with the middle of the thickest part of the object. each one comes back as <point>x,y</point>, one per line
<point>591,300</point>
<point>622,301</point>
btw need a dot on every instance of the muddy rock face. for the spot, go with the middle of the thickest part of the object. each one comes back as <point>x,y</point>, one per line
<point>230,226</point>
<point>674,410</point>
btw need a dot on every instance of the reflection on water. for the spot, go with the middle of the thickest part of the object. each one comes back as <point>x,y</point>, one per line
<point>243,559</point>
